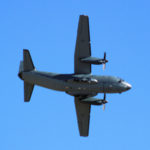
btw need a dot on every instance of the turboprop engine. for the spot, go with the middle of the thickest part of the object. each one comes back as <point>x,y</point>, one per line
<point>96,61</point>
<point>95,101</point>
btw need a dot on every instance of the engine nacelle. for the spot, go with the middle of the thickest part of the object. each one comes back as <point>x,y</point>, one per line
<point>94,60</point>
<point>94,101</point>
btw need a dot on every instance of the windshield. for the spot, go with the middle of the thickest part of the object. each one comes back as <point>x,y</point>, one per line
<point>120,80</point>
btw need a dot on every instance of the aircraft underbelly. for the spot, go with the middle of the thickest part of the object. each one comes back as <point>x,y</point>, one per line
<point>82,89</point>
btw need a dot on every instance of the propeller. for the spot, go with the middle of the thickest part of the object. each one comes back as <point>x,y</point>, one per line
<point>104,101</point>
<point>103,107</point>
<point>104,66</point>
<point>105,61</point>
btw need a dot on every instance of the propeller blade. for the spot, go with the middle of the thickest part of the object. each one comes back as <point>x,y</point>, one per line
<point>104,66</point>
<point>104,55</point>
<point>103,107</point>
<point>104,96</point>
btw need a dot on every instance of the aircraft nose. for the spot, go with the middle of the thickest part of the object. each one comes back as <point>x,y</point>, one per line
<point>128,86</point>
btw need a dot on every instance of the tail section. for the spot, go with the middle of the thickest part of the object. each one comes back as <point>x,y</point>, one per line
<point>20,69</point>
<point>26,66</point>
<point>27,61</point>
<point>28,89</point>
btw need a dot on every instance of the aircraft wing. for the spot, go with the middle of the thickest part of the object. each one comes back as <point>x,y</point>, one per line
<point>83,116</point>
<point>83,46</point>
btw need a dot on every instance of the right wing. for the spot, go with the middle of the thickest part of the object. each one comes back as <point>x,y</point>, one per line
<point>83,47</point>
<point>83,116</point>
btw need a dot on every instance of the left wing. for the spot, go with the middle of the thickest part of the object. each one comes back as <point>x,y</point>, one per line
<point>82,57</point>
<point>83,47</point>
<point>83,116</point>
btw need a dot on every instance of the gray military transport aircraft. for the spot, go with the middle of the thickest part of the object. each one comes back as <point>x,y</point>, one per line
<point>81,84</point>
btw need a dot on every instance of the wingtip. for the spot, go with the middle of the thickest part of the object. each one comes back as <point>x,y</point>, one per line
<point>84,135</point>
<point>25,50</point>
<point>85,16</point>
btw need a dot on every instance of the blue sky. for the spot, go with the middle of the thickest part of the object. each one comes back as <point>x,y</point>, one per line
<point>48,29</point>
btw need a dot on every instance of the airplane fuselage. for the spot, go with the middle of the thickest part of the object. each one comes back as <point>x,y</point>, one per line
<point>76,84</point>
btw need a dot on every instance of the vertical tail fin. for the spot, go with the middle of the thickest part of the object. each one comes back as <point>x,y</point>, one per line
<point>27,61</point>
<point>27,66</point>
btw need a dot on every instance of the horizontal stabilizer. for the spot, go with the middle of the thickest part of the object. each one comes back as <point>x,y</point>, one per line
<point>28,88</point>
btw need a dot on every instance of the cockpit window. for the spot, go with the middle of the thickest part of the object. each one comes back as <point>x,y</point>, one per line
<point>120,80</point>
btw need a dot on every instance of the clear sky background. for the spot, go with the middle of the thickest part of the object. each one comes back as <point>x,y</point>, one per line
<point>48,29</point>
